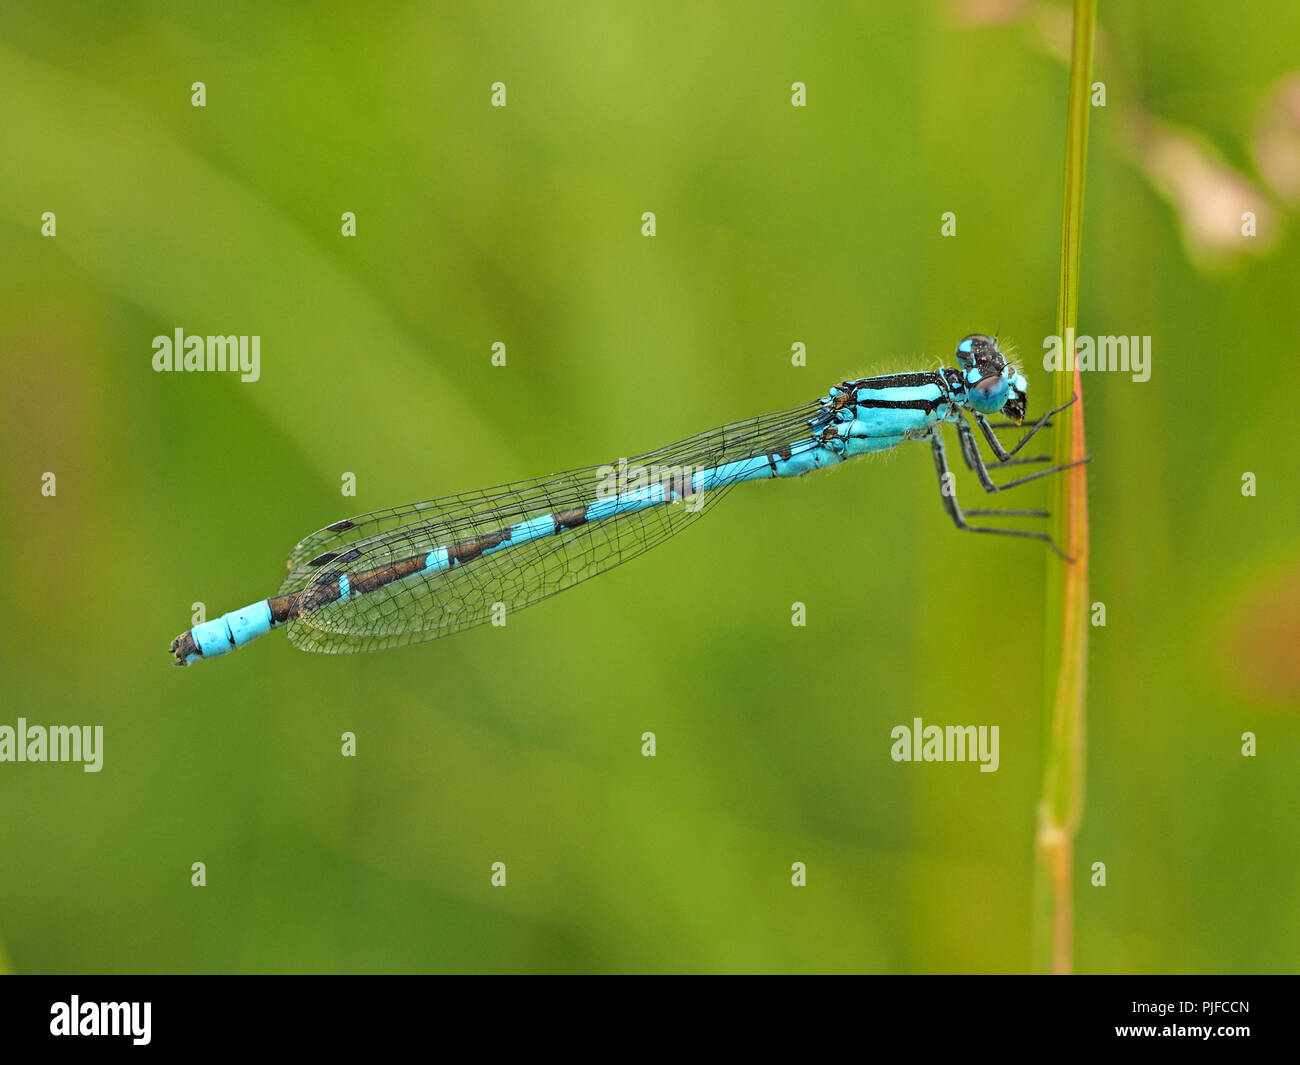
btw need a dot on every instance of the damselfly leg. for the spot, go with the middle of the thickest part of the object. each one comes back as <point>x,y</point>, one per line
<point>975,461</point>
<point>971,452</point>
<point>971,455</point>
<point>1001,452</point>
<point>949,496</point>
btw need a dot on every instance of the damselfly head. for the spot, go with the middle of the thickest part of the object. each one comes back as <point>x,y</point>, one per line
<point>993,384</point>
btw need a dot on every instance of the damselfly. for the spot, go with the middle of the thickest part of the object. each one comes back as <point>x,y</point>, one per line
<point>399,576</point>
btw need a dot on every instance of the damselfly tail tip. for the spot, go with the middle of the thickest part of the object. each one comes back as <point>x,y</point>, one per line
<point>182,647</point>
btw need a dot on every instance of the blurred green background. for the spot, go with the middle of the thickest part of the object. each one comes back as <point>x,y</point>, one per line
<point>521,744</point>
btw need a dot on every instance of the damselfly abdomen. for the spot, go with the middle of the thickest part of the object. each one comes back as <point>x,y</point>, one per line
<point>407,574</point>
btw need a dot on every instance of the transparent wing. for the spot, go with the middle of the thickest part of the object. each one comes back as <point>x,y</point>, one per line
<point>520,499</point>
<point>306,559</point>
<point>406,605</point>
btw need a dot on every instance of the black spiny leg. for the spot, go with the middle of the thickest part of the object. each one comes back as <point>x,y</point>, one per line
<point>970,450</point>
<point>1002,453</point>
<point>959,517</point>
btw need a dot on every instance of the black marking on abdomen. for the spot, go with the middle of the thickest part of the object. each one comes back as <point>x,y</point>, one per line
<point>468,550</point>
<point>570,519</point>
<point>325,589</point>
<point>320,593</point>
<point>283,607</point>
<point>371,579</point>
<point>782,453</point>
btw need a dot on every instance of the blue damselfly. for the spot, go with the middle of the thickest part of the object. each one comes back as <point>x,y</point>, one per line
<point>399,576</point>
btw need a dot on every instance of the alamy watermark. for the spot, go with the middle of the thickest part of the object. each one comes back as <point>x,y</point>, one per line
<point>211,354</point>
<point>53,743</point>
<point>625,481</point>
<point>75,1017</point>
<point>919,742</point>
<point>1115,354</point>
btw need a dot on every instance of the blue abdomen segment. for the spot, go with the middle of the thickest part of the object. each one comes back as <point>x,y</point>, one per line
<point>222,635</point>
<point>802,457</point>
